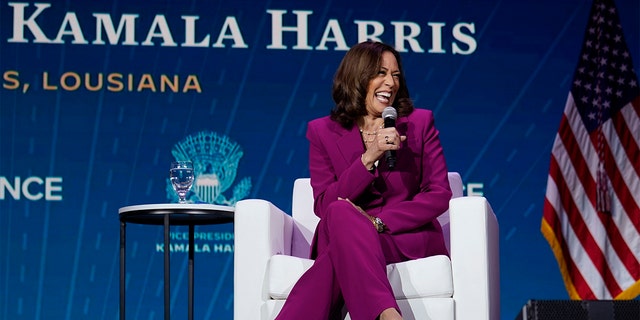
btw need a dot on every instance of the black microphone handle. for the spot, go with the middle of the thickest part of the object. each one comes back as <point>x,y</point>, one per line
<point>390,155</point>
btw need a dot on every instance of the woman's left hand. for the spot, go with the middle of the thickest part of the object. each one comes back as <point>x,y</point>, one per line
<point>359,209</point>
<point>353,204</point>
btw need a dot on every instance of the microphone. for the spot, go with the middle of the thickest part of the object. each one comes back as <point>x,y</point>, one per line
<point>389,115</point>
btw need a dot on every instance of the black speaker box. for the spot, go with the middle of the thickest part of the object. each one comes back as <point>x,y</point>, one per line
<point>580,310</point>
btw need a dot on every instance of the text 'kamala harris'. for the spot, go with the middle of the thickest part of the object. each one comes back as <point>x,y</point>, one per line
<point>136,29</point>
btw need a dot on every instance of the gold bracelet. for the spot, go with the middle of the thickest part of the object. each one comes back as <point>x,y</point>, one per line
<point>377,222</point>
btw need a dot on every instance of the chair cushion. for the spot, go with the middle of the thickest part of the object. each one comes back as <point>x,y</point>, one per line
<point>283,272</point>
<point>422,278</point>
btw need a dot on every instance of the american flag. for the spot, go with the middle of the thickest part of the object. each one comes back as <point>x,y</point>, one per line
<point>591,215</point>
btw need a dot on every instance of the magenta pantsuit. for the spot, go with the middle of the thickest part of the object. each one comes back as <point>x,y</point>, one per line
<point>350,255</point>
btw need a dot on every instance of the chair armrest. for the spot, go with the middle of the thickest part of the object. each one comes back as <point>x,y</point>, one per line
<point>260,231</point>
<point>475,259</point>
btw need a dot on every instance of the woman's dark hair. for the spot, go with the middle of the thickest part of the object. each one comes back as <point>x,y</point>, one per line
<point>360,65</point>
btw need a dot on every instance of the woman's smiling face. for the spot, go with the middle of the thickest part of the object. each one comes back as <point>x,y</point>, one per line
<point>382,88</point>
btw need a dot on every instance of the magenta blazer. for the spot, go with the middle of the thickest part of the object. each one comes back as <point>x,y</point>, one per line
<point>408,198</point>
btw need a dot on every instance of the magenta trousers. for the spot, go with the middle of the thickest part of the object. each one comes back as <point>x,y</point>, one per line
<point>350,270</point>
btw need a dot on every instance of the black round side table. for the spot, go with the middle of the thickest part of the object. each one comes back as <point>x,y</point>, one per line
<point>168,214</point>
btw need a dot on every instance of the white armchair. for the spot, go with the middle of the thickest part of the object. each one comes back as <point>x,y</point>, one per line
<point>271,250</point>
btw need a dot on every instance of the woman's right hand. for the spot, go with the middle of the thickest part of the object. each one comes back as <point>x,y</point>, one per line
<point>386,139</point>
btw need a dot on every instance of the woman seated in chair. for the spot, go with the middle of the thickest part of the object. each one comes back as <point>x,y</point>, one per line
<point>378,189</point>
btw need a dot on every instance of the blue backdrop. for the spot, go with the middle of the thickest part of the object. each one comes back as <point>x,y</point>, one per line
<point>99,97</point>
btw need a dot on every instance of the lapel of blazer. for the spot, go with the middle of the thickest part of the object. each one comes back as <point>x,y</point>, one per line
<point>348,142</point>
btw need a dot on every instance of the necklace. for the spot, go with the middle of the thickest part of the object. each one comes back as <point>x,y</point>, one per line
<point>369,136</point>
<point>367,141</point>
<point>368,133</point>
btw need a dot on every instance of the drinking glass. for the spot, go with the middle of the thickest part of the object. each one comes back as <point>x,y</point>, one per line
<point>181,175</point>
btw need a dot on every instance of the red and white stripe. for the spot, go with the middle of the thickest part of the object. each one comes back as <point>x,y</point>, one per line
<point>598,252</point>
